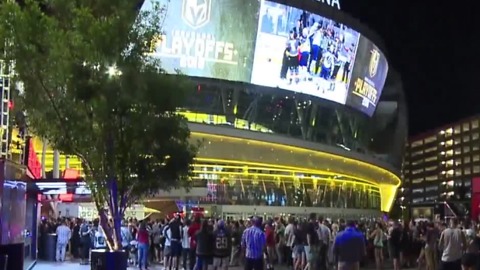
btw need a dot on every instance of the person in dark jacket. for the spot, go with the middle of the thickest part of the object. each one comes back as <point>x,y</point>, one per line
<point>205,245</point>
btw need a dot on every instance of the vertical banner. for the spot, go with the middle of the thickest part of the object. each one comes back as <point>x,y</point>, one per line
<point>368,77</point>
<point>475,201</point>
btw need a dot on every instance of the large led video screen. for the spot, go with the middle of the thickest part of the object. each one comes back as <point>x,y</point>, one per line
<point>270,44</point>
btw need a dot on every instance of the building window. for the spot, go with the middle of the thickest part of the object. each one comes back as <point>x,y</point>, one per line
<point>430,139</point>
<point>466,127</point>
<point>476,169</point>
<point>417,171</point>
<point>466,138</point>
<point>418,190</point>
<point>475,136</point>
<point>457,141</point>
<point>431,168</point>
<point>431,178</point>
<point>466,159</point>
<point>415,163</point>
<point>458,172</point>
<point>416,153</point>
<point>417,180</point>
<point>457,129</point>
<point>467,171</point>
<point>417,143</point>
<point>476,158</point>
<point>431,159</point>
<point>474,124</point>
<point>418,200</point>
<point>458,151</point>
<point>466,149</point>
<point>467,183</point>
<point>431,149</point>
<point>458,161</point>
<point>431,188</point>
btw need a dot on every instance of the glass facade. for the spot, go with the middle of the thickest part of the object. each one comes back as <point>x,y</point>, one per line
<point>300,116</point>
<point>291,193</point>
<point>241,185</point>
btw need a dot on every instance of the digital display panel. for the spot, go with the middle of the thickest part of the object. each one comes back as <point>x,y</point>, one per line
<point>62,187</point>
<point>271,44</point>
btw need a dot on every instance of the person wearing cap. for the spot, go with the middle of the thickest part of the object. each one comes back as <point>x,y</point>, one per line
<point>222,247</point>
<point>253,242</point>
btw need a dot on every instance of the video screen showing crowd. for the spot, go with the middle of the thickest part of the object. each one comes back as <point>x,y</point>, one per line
<point>312,54</point>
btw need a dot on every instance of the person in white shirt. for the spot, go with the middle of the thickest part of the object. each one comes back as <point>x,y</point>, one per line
<point>289,238</point>
<point>167,252</point>
<point>453,243</point>
<point>63,237</point>
<point>99,238</point>
<point>126,236</point>
<point>185,244</point>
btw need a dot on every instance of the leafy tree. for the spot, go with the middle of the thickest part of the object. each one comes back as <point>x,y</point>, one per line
<point>90,89</point>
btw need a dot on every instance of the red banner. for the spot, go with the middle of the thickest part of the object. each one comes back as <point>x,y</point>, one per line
<point>475,202</point>
<point>33,163</point>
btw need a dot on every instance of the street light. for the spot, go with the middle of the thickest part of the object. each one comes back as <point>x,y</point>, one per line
<point>113,71</point>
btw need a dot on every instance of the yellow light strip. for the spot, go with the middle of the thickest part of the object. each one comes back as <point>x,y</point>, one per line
<point>266,166</point>
<point>328,180</point>
<point>303,150</point>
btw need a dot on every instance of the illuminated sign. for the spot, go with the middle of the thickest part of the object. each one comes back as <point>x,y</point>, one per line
<point>270,44</point>
<point>56,188</point>
<point>368,79</point>
<point>374,61</point>
<point>196,13</point>
<point>332,3</point>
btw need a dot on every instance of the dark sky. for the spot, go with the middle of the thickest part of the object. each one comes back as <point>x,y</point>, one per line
<point>435,46</point>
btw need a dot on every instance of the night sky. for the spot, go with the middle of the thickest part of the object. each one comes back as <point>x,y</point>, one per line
<point>435,46</point>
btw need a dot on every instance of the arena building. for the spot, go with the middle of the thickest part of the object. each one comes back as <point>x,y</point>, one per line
<point>296,106</point>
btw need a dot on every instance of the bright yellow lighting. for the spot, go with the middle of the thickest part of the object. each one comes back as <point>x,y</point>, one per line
<point>292,149</point>
<point>246,166</point>
<point>385,177</point>
<point>387,191</point>
<point>203,118</point>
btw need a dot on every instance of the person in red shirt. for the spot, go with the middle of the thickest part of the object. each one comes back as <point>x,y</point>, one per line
<point>192,231</point>
<point>270,237</point>
<point>143,241</point>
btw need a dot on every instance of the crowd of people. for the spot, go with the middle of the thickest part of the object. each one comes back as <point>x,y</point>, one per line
<point>299,243</point>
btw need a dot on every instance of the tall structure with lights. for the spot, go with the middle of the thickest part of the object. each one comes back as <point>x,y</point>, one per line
<point>283,132</point>
<point>440,166</point>
<point>5,76</point>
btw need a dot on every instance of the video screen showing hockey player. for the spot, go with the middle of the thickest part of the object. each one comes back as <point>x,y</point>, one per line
<point>303,52</point>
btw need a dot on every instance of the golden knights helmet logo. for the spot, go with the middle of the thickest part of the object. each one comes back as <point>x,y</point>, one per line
<point>196,13</point>
<point>374,62</point>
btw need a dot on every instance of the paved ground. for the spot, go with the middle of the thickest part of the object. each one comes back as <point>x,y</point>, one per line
<point>76,266</point>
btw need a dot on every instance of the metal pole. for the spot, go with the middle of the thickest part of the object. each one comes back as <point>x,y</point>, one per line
<point>56,164</point>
